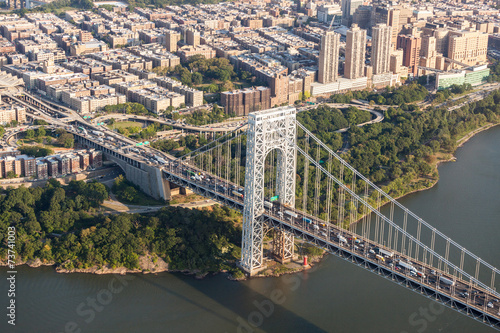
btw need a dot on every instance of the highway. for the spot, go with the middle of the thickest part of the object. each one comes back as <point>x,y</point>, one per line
<point>483,91</point>
<point>397,263</point>
<point>309,227</point>
<point>217,127</point>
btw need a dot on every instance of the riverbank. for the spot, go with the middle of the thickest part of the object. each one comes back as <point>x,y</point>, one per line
<point>148,264</point>
<point>439,158</point>
<point>460,142</point>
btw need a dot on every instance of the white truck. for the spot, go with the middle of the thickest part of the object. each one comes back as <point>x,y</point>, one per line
<point>407,266</point>
<point>385,253</point>
<point>446,281</point>
<point>342,239</point>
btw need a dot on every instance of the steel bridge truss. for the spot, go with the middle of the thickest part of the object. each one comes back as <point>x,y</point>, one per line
<point>401,279</point>
<point>276,130</point>
<point>267,130</point>
<point>345,253</point>
<point>422,252</point>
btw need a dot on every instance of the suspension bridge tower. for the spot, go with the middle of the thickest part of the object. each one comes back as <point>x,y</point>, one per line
<point>268,130</point>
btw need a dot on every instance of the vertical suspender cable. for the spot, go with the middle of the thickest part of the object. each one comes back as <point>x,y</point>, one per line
<point>306,175</point>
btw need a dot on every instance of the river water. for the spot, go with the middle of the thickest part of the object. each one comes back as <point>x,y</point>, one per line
<point>334,296</point>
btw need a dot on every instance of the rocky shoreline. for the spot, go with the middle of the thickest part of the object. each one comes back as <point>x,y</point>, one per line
<point>147,263</point>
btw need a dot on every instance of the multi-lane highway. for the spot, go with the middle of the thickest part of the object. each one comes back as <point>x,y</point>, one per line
<point>461,292</point>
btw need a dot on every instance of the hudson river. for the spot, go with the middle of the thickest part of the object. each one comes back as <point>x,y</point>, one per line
<point>334,296</point>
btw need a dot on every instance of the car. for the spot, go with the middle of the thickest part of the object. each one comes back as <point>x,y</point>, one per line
<point>490,304</point>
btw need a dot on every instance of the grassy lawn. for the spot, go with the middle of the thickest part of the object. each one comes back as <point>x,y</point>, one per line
<point>48,142</point>
<point>178,199</point>
<point>125,124</point>
<point>142,199</point>
<point>145,200</point>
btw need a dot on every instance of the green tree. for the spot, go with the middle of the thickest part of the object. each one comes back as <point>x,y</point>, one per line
<point>30,134</point>
<point>40,132</point>
<point>11,174</point>
<point>129,194</point>
<point>197,78</point>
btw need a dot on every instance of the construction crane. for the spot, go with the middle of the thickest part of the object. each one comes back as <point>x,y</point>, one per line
<point>331,23</point>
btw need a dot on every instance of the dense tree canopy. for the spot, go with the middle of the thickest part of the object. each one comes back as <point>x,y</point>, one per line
<point>60,224</point>
<point>390,96</point>
<point>36,151</point>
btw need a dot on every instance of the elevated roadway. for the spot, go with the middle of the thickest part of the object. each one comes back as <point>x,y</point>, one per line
<point>481,304</point>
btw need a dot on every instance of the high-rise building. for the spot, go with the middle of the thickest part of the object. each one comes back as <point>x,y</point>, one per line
<point>329,57</point>
<point>192,37</point>
<point>389,17</point>
<point>327,12</point>
<point>428,49</point>
<point>411,52</point>
<point>381,48</point>
<point>396,64</point>
<point>468,47</point>
<point>171,39</point>
<point>348,9</point>
<point>355,52</point>
<point>428,52</point>
<point>441,35</point>
<point>362,16</point>
<point>242,102</point>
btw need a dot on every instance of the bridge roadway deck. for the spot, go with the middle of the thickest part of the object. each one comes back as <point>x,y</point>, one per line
<point>326,237</point>
<point>475,305</point>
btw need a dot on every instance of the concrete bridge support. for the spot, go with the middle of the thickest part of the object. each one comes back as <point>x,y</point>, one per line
<point>148,178</point>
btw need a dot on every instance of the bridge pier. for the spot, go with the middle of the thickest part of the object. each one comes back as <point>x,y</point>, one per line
<point>283,246</point>
<point>148,178</point>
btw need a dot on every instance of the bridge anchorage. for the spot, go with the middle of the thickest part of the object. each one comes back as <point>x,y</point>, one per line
<point>313,194</point>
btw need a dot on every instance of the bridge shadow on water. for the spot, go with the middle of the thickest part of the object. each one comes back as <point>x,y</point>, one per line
<point>255,305</point>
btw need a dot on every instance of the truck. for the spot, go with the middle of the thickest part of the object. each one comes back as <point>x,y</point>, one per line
<point>379,257</point>
<point>110,138</point>
<point>237,194</point>
<point>407,266</point>
<point>306,220</point>
<point>446,281</point>
<point>342,239</point>
<point>98,133</point>
<point>267,204</point>
<point>291,214</point>
<point>84,131</point>
<point>384,253</point>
